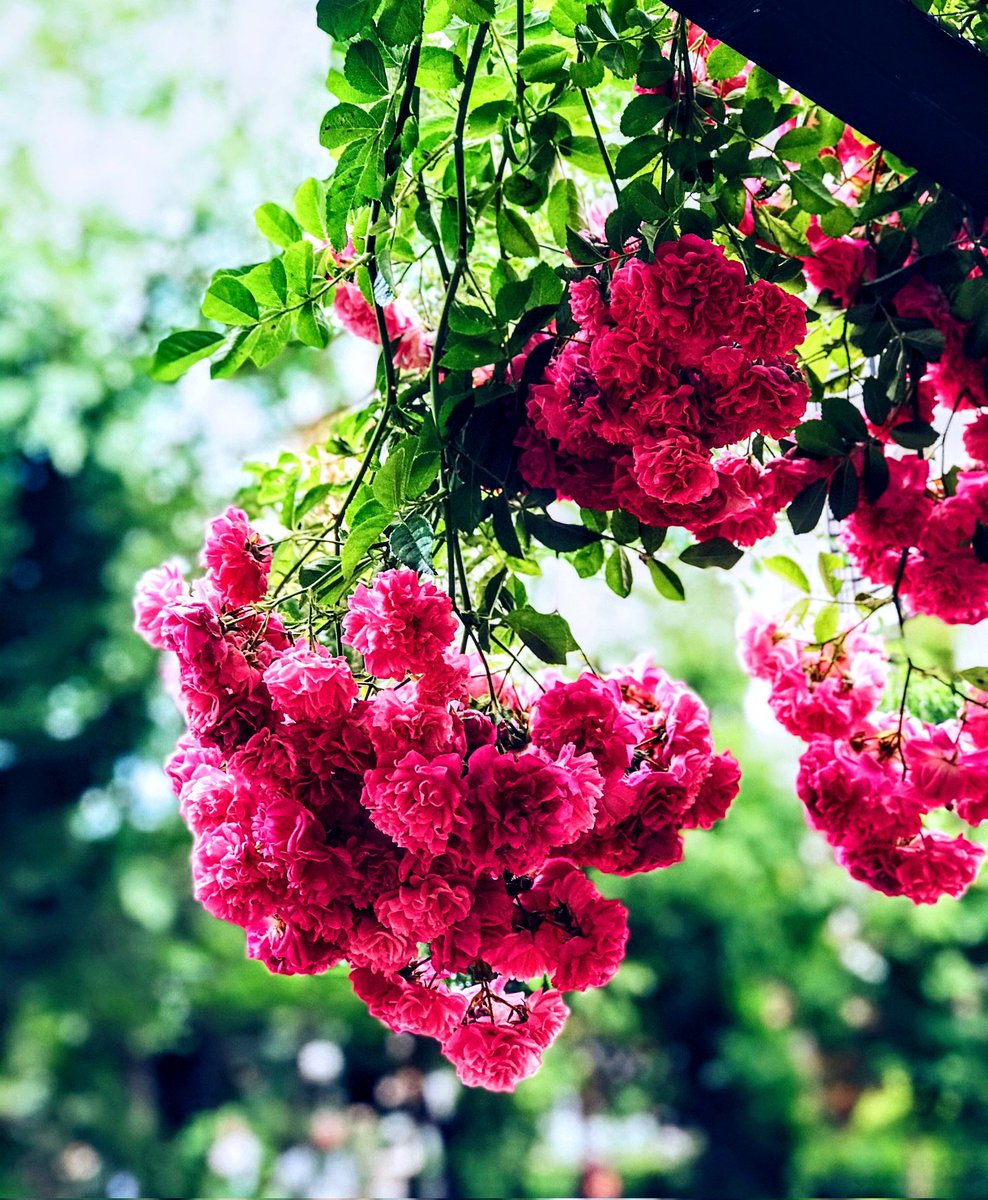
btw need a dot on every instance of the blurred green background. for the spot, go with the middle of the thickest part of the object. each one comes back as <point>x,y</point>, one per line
<point>775,1031</point>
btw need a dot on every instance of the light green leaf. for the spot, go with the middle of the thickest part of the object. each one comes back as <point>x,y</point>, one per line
<point>310,207</point>
<point>787,569</point>
<point>177,352</point>
<point>229,302</point>
<point>298,260</point>
<point>277,225</point>
<point>724,63</point>
<point>667,582</point>
<point>364,69</point>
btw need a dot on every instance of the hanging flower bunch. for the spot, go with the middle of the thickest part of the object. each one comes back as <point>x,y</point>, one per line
<point>868,778</point>
<point>676,358</point>
<point>415,814</point>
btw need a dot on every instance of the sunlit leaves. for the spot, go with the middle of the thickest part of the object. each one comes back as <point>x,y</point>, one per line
<point>179,351</point>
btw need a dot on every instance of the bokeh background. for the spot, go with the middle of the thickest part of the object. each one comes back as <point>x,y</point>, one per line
<point>775,1031</point>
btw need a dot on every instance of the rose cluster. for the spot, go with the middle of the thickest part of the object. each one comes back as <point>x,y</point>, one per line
<point>420,819</point>
<point>928,537</point>
<point>867,779</point>
<point>676,360</point>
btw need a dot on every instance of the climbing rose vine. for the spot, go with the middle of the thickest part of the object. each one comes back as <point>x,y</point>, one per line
<point>633,300</point>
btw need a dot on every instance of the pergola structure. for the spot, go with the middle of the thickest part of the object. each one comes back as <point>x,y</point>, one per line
<point>882,66</point>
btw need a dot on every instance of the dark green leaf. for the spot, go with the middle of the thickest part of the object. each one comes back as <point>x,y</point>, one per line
<point>515,235</point>
<point>411,543</point>
<point>717,552</point>
<point>807,507</point>
<point>843,493</point>
<point>504,529</point>
<point>643,113</point>
<point>820,439</point>
<point>547,635</point>
<point>556,535</point>
<point>914,435</point>
<point>617,573</point>
<point>875,473</point>
<point>842,415</point>
<point>637,154</point>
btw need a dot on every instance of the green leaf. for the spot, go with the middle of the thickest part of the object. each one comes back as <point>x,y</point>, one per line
<point>724,63</point>
<point>788,570</point>
<point>977,676</point>
<point>588,560</point>
<point>298,261</point>
<point>807,507</point>
<point>617,573</point>
<point>592,519</point>
<point>843,492</point>
<point>667,582</point>
<point>272,338</point>
<point>625,527</point>
<point>914,435</point>
<point>346,123</point>
<point>547,635</point>
<point>504,529</point>
<point>643,113</point>
<point>542,63</point>
<point>825,623</point>
<point>820,438</point>
<point>841,414</point>
<point>341,19</point>
<point>811,193</point>
<point>391,480</point>
<point>364,69</point>
<point>360,540</point>
<point>929,342</point>
<point>277,225</point>
<point>875,473</point>
<point>177,352</point>
<point>267,283</point>
<point>439,70</point>
<point>310,207</point>
<point>236,356</point>
<point>837,222</point>
<point>400,22</point>
<point>776,232</point>
<point>474,12</point>
<point>637,154</point>
<point>761,83</point>
<point>716,552</point>
<point>311,328</point>
<point>230,302</point>
<point>828,565</point>
<point>411,543</point>
<point>556,535</point>
<point>466,353</point>
<point>800,145</point>
<point>515,235</point>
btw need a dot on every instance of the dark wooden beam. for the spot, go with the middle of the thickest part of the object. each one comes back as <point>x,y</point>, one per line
<point>880,65</point>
